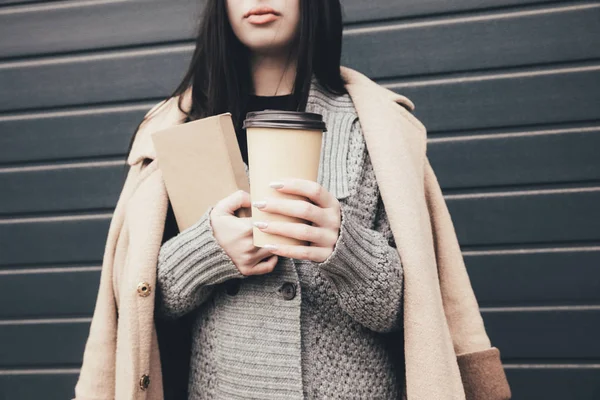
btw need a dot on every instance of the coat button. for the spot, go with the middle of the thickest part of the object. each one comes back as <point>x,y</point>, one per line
<point>232,287</point>
<point>144,289</point>
<point>144,382</point>
<point>288,290</point>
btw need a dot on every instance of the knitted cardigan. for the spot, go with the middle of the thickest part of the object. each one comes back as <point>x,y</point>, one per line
<point>447,353</point>
<point>326,340</point>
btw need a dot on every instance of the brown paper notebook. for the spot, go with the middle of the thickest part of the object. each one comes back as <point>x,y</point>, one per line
<point>201,164</point>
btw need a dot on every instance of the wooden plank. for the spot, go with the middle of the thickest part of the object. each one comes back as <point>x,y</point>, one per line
<point>103,77</point>
<point>554,382</point>
<point>454,104</point>
<point>36,294</point>
<point>43,344</point>
<point>355,10</point>
<point>525,277</point>
<point>544,335</point>
<point>466,161</point>
<point>547,382</point>
<point>526,217</point>
<point>49,386</point>
<point>504,100</point>
<point>65,188</point>
<point>467,43</point>
<point>518,335</point>
<point>90,132</point>
<point>66,26</point>
<point>516,158</point>
<point>480,219</point>
<point>54,241</point>
<point>563,155</point>
<point>154,72</point>
<point>449,105</point>
<point>517,278</point>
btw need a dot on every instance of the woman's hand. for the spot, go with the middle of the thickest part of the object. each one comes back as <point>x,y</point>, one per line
<point>235,236</point>
<point>325,215</point>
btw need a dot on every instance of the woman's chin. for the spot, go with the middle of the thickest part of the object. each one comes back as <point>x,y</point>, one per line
<point>265,46</point>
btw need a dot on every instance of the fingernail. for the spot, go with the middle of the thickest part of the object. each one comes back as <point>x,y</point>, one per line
<point>260,224</point>
<point>270,247</point>
<point>259,204</point>
<point>276,184</point>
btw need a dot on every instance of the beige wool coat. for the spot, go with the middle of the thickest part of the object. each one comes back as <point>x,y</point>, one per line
<point>448,355</point>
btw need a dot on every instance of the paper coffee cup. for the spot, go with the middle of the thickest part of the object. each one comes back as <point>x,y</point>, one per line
<point>281,144</point>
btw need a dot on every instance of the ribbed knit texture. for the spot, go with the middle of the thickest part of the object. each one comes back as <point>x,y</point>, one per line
<point>326,342</point>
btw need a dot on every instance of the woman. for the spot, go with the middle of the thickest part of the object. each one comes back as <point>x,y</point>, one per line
<point>331,300</point>
<point>287,322</point>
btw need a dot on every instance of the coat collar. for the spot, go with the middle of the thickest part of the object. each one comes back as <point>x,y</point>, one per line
<point>169,113</point>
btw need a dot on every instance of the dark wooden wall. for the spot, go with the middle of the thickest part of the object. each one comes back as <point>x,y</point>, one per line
<point>510,93</point>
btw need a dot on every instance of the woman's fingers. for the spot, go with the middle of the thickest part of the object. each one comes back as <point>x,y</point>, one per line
<point>311,253</point>
<point>295,208</point>
<point>264,267</point>
<point>314,234</point>
<point>307,188</point>
<point>230,204</point>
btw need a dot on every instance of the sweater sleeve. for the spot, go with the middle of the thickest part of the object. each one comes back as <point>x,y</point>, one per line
<point>190,265</point>
<point>364,267</point>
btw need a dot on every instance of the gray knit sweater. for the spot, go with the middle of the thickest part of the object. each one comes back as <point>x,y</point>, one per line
<point>325,339</point>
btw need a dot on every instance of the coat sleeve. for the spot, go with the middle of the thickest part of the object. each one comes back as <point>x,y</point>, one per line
<point>97,375</point>
<point>480,366</point>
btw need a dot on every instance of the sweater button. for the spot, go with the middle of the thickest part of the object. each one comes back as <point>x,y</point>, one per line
<point>232,287</point>
<point>144,289</point>
<point>288,290</point>
<point>144,382</point>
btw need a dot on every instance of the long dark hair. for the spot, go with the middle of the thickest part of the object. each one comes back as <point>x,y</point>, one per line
<point>219,72</point>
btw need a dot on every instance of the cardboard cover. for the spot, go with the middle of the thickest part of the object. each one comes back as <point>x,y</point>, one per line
<point>201,163</point>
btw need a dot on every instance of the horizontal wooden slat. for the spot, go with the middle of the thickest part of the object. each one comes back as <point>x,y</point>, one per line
<point>504,100</point>
<point>544,335</point>
<point>554,383</point>
<point>43,345</point>
<point>459,44</point>
<point>469,161</point>
<point>70,26</point>
<point>51,386</point>
<point>519,335</point>
<point>501,218</point>
<point>13,2</point>
<point>499,101</point>
<point>526,217</point>
<point>355,10</point>
<point>517,158</point>
<point>103,77</point>
<point>54,241</point>
<point>154,72</point>
<point>517,278</point>
<point>97,132</point>
<point>49,294</point>
<point>535,276</point>
<point>69,188</point>
<point>550,383</point>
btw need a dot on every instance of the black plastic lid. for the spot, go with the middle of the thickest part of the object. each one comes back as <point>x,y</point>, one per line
<point>284,119</point>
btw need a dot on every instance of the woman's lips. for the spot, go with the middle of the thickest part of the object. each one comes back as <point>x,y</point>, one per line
<point>261,19</point>
<point>261,15</point>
